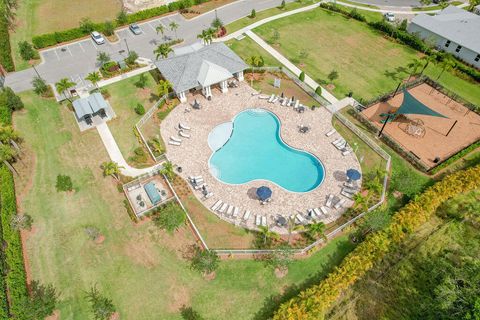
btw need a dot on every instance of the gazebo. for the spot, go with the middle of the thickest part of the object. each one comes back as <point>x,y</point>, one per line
<point>201,67</point>
<point>89,107</point>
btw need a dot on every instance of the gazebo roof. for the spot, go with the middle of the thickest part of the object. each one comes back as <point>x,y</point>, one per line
<point>89,105</point>
<point>411,105</point>
<point>211,73</point>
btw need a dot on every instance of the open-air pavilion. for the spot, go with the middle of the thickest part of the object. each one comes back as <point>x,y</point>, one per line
<point>92,110</point>
<point>202,68</point>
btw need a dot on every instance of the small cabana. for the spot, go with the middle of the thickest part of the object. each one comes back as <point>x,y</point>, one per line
<point>89,107</point>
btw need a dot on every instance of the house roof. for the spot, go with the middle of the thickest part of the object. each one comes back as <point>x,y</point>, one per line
<point>89,105</point>
<point>205,65</point>
<point>455,24</point>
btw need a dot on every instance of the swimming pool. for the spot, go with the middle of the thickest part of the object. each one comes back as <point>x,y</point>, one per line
<point>255,151</point>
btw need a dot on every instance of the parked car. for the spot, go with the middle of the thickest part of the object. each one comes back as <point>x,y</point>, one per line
<point>135,28</point>
<point>390,17</point>
<point>97,37</point>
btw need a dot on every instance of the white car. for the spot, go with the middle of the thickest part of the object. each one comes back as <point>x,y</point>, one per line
<point>97,37</point>
<point>390,17</point>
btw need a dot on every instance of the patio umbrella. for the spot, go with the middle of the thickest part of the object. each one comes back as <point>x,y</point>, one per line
<point>353,174</point>
<point>281,221</point>
<point>264,193</point>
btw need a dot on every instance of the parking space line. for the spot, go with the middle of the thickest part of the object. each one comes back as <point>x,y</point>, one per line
<point>94,44</point>
<point>152,27</point>
<point>81,47</point>
<point>68,48</point>
<point>58,58</point>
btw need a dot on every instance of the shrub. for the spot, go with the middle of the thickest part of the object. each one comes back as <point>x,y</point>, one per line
<point>302,76</point>
<point>42,301</point>
<point>101,307</point>
<point>204,261</point>
<point>64,183</point>
<point>139,155</point>
<point>6,59</point>
<point>142,81</point>
<point>108,28</point>
<point>253,14</point>
<point>132,57</point>
<point>140,109</point>
<point>122,18</point>
<point>40,87</point>
<point>333,75</point>
<point>318,90</point>
<point>169,217</point>
<point>27,52</point>
<point>188,313</point>
<point>86,25</point>
<point>13,102</point>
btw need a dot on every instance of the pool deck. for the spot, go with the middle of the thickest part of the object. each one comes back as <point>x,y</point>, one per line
<point>193,155</point>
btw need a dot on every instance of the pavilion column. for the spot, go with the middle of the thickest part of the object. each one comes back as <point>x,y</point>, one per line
<point>182,96</point>
<point>207,92</point>
<point>240,76</point>
<point>224,86</point>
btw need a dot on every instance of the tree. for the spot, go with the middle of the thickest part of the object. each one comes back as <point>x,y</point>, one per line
<point>333,75</point>
<point>280,259</point>
<point>303,54</point>
<point>160,29</point>
<point>169,217</point>
<point>403,25</point>
<point>167,170</point>
<point>111,168</point>
<point>207,35</point>
<point>432,58</point>
<point>108,28</point>
<point>64,183</point>
<point>472,4</point>
<point>40,87</point>
<point>267,237</point>
<point>447,63</point>
<point>361,201</point>
<point>301,77</point>
<point>21,222</point>
<point>13,102</point>
<point>122,18</point>
<point>318,90</point>
<point>102,58</point>
<point>174,27</point>
<point>131,58</point>
<point>188,313</point>
<point>93,77</point>
<point>413,66</point>
<point>9,8</point>
<point>163,89</point>
<point>139,109</point>
<point>163,50</point>
<point>204,261</point>
<point>142,81</point>
<point>63,85</point>
<point>316,231</point>
<point>101,307</point>
<point>41,302</point>
<point>292,227</point>
<point>255,61</point>
<point>86,25</point>
<point>253,14</point>
<point>27,52</point>
<point>217,23</point>
<point>275,36</point>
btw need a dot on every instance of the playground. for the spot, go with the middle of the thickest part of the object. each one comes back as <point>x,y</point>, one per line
<point>426,123</point>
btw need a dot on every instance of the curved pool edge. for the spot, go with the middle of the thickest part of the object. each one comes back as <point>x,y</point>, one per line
<point>210,167</point>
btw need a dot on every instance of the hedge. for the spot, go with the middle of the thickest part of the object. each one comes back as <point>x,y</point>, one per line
<point>455,157</point>
<point>50,39</point>
<point>6,59</point>
<point>313,302</point>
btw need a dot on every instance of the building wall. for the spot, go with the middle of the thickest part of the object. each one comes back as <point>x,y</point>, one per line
<point>465,54</point>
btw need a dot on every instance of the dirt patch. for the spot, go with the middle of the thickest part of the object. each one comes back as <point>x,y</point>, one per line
<point>54,316</point>
<point>330,87</point>
<point>281,272</point>
<point>137,5</point>
<point>210,276</point>
<point>115,316</point>
<point>25,234</point>
<point>100,239</point>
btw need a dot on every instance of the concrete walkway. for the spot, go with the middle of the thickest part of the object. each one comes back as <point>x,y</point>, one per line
<point>116,155</point>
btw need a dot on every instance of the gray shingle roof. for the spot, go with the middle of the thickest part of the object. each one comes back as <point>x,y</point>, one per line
<point>455,24</point>
<point>183,71</point>
<point>89,105</point>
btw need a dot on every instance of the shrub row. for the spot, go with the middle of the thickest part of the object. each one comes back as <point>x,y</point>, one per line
<point>50,39</point>
<point>352,13</point>
<point>5,50</point>
<point>455,157</point>
<point>312,303</point>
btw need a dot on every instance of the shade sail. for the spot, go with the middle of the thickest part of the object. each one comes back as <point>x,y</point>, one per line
<point>411,105</point>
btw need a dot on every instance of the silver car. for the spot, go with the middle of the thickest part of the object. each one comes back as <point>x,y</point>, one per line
<point>97,37</point>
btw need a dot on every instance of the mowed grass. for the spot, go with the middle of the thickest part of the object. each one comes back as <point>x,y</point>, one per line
<point>140,268</point>
<point>247,48</point>
<point>367,63</point>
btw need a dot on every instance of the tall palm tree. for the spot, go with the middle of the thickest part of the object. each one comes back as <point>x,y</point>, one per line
<point>93,77</point>
<point>111,168</point>
<point>254,61</point>
<point>268,235</point>
<point>163,88</point>
<point>173,27</point>
<point>102,58</point>
<point>160,29</point>
<point>317,230</point>
<point>413,66</point>
<point>432,58</point>
<point>63,85</point>
<point>203,36</point>
<point>447,64</point>
<point>168,170</point>
<point>163,50</point>
<point>291,227</point>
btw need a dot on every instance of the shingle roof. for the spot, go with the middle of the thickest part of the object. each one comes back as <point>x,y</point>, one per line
<point>455,24</point>
<point>89,105</point>
<point>184,71</point>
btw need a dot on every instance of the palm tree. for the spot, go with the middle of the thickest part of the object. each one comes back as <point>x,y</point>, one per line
<point>7,153</point>
<point>8,134</point>
<point>93,77</point>
<point>447,64</point>
<point>111,168</point>
<point>163,50</point>
<point>428,59</point>
<point>413,66</point>
<point>168,170</point>
<point>267,235</point>
<point>361,201</point>
<point>317,230</point>
<point>291,227</point>
<point>103,58</point>
<point>173,27</point>
<point>63,85</point>
<point>217,23</point>
<point>160,29</point>
<point>163,88</point>
<point>254,61</point>
<point>472,4</point>
<point>206,36</point>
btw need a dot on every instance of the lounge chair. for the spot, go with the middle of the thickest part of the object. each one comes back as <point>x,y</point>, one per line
<point>329,133</point>
<point>312,213</point>
<point>208,195</point>
<point>175,139</point>
<point>246,215</point>
<point>350,190</point>
<point>199,186</point>
<point>271,98</point>
<point>337,141</point>
<point>263,96</point>
<point>216,205</point>
<point>350,184</point>
<point>284,102</point>
<point>174,143</point>
<point>329,201</point>
<point>192,178</point>
<point>230,210</point>
<point>346,152</point>
<point>183,127</point>
<point>317,212</point>
<point>297,103</point>
<point>235,212</point>
<point>197,181</point>
<point>300,219</point>
<point>264,221</point>
<point>275,99</point>
<point>340,203</point>
<point>324,210</point>
<point>183,134</point>
<point>223,208</point>
<point>258,220</point>
<point>346,194</point>
<point>341,146</point>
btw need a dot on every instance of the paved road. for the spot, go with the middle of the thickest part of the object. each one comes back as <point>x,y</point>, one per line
<point>77,59</point>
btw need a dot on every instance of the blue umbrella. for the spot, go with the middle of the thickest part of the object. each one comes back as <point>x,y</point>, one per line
<point>264,193</point>
<point>353,174</point>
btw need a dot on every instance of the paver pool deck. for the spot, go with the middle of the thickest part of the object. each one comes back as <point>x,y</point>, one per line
<point>194,153</point>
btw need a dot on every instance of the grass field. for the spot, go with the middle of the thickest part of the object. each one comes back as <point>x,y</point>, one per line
<point>431,8</point>
<point>36,17</point>
<point>246,48</point>
<point>140,268</point>
<point>367,63</point>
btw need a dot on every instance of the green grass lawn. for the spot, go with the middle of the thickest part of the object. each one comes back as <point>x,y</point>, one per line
<point>139,267</point>
<point>246,48</point>
<point>367,63</point>
<point>431,8</point>
<point>124,96</point>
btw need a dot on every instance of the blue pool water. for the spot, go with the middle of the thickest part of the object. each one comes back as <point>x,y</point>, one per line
<point>255,151</point>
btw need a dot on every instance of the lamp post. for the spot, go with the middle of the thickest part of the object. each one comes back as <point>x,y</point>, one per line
<point>36,71</point>
<point>384,124</point>
<point>126,43</point>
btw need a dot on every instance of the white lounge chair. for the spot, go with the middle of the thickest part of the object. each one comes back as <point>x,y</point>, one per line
<point>340,203</point>
<point>183,127</point>
<point>346,152</point>
<point>223,208</point>
<point>284,102</point>
<point>300,219</point>
<point>337,141</point>
<point>324,210</point>
<point>350,184</point>
<point>317,211</point>
<point>230,210</point>
<point>199,186</point>
<point>258,220</point>
<point>275,99</point>
<point>183,134</point>
<point>208,195</point>
<point>216,205</point>
<point>350,190</point>
<point>235,212</point>
<point>329,201</point>
<point>341,146</point>
<point>246,215</point>
<point>271,98</point>
<point>175,139</point>
<point>197,181</point>
<point>264,221</point>
<point>192,178</point>
<point>312,214</point>
<point>297,103</point>
<point>329,133</point>
<point>174,143</point>
<point>346,194</point>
